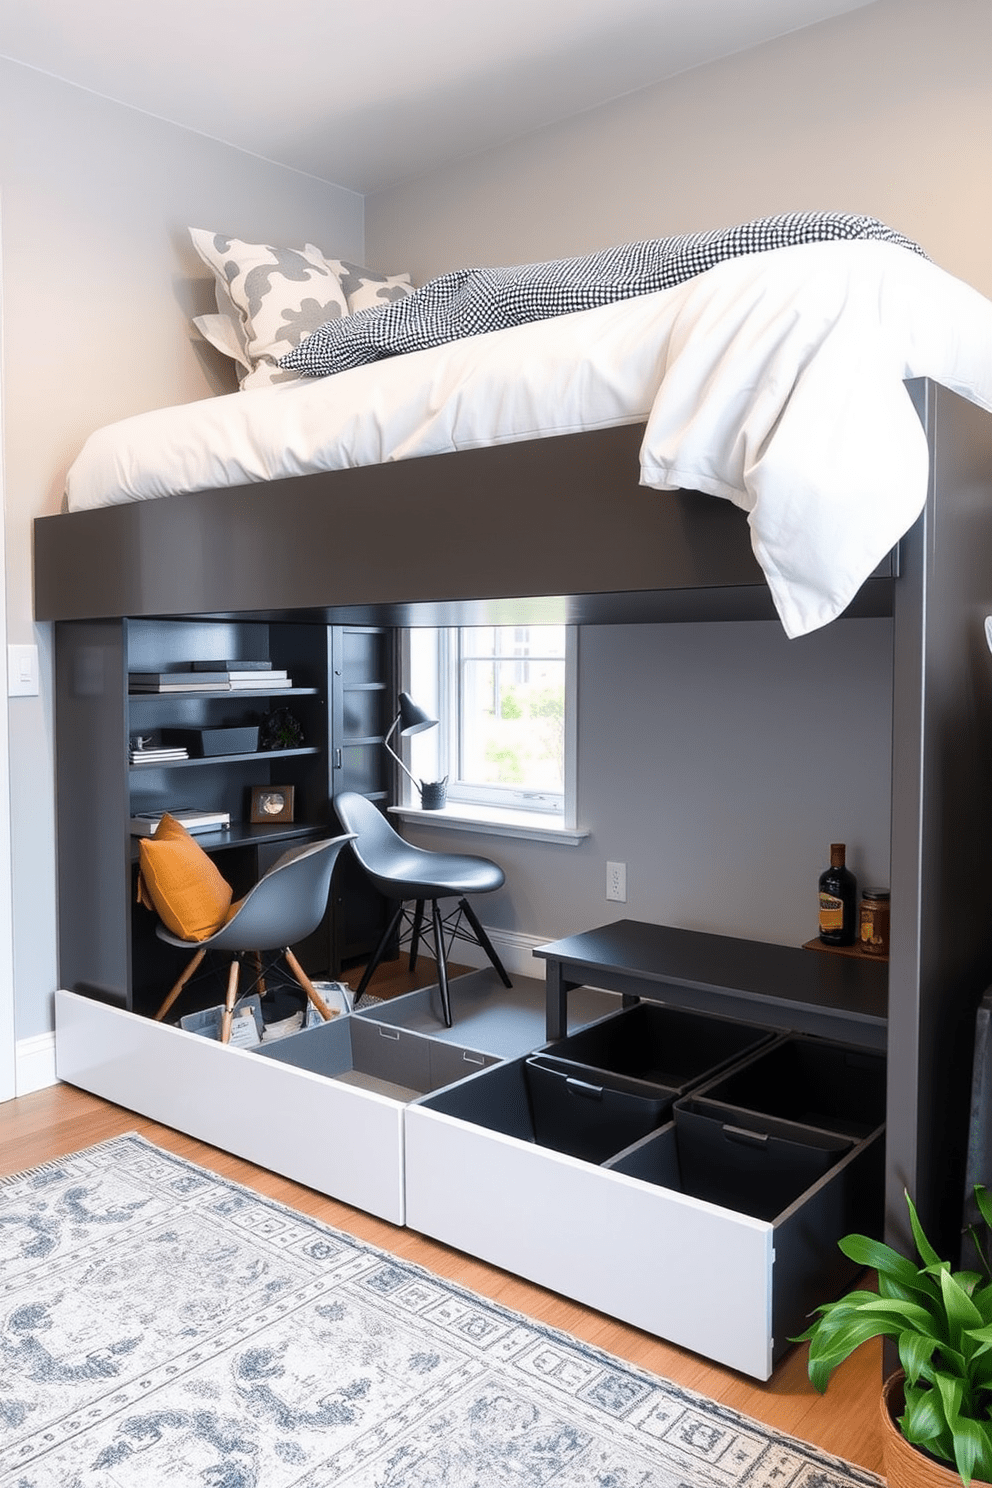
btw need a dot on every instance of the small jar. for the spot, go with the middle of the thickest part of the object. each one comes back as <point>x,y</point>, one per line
<point>874,936</point>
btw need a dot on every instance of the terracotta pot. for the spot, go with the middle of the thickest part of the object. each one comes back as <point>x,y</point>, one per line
<point>905,1465</point>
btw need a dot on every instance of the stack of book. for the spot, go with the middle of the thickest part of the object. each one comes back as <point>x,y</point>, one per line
<point>158,754</point>
<point>184,680</point>
<point>244,674</point>
<point>211,676</point>
<point>192,819</point>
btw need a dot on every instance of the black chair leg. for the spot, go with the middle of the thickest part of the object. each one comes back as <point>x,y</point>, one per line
<point>442,965</point>
<point>418,919</point>
<point>484,940</point>
<point>377,955</point>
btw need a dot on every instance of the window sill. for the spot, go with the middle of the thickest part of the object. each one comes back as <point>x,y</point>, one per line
<point>493,819</point>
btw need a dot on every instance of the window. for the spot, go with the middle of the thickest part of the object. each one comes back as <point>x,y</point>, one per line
<point>505,698</point>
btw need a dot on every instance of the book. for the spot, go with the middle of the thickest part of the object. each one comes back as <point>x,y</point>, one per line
<point>157,756</point>
<point>232,666</point>
<point>180,676</point>
<point>260,680</point>
<point>191,819</point>
<point>190,685</point>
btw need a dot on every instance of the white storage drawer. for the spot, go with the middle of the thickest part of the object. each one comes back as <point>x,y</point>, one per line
<point>325,1106</point>
<point>624,1236</point>
<point>339,1140</point>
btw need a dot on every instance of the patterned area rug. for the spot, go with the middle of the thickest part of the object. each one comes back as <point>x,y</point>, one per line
<point>160,1325</point>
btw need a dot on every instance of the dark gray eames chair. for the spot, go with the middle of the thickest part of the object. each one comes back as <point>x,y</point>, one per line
<point>413,875</point>
<point>285,906</point>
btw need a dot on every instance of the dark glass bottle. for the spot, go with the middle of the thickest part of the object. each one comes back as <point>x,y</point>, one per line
<point>838,900</point>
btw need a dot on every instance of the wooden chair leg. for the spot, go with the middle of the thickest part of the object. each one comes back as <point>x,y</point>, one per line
<point>259,973</point>
<point>227,1016</point>
<point>308,987</point>
<point>171,997</point>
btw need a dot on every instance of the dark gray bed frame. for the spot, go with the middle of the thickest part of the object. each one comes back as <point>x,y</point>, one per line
<point>558,529</point>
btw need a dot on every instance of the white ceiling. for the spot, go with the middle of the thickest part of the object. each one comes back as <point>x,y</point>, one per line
<point>366,93</point>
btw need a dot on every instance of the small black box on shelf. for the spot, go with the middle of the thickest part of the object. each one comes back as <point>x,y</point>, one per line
<point>209,741</point>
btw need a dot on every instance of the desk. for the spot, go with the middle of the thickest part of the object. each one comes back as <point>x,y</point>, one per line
<point>778,986</point>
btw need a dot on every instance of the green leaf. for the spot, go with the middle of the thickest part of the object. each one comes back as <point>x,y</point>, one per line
<point>886,1314</point>
<point>984,1201</point>
<point>961,1310</point>
<point>889,1287</point>
<point>923,1420</point>
<point>969,1445</point>
<point>983,1465</point>
<point>827,1349</point>
<point>951,1394</point>
<point>915,1352</point>
<point>883,1259</point>
<point>928,1255</point>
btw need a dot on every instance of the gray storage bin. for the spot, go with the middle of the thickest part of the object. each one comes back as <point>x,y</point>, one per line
<point>393,1061</point>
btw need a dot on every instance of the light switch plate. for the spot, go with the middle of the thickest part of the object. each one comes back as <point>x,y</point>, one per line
<point>22,671</point>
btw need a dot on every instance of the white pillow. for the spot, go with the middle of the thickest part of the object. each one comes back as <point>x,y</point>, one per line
<point>277,297</point>
<point>222,333</point>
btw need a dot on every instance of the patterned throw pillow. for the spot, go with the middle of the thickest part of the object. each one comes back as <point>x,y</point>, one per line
<point>270,299</point>
<point>365,287</point>
<point>277,297</point>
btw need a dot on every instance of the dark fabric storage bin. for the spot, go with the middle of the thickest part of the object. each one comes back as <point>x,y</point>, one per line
<point>590,1114</point>
<point>812,1081</point>
<point>760,1169</point>
<point>662,1045</point>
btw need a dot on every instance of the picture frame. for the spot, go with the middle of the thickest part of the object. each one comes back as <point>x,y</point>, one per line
<point>271,804</point>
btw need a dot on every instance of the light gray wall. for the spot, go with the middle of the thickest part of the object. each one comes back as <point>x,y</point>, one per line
<point>99,283</point>
<point>885,110</point>
<point>719,762</point>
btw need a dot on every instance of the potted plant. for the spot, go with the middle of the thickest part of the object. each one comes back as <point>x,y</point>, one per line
<point>937,1410</point>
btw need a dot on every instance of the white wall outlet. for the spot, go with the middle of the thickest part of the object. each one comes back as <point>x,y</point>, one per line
<point>22,671</point>
<point>616,882</point>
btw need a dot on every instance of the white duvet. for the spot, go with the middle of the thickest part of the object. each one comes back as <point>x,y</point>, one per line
<point>774,381</point>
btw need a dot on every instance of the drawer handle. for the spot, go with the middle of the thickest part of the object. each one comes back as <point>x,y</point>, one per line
<point>390,1033</point>
<point>745,1137</point>
<point>584,1089</point>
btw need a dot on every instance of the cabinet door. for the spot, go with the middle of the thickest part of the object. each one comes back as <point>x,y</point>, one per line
<point>363,702</point>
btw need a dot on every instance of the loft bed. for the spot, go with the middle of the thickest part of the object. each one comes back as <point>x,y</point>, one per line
<point>561,528</point>
<point>773,382</point>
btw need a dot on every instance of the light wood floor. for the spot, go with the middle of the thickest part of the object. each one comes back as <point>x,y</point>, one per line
<point>36,1128</point>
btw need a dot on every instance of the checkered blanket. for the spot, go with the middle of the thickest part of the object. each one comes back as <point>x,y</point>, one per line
<point>469,302</point>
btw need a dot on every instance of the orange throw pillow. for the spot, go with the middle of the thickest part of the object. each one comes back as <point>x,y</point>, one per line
<point>181,883</point>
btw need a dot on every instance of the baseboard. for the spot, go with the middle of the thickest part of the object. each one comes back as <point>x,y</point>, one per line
<point>515,950</point>
<point>34,1063</point>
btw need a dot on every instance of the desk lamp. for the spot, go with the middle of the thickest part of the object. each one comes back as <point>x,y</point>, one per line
<point>412,719</point>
